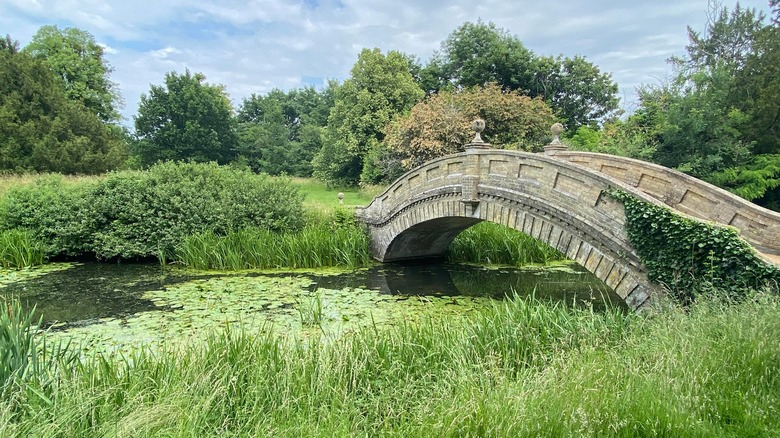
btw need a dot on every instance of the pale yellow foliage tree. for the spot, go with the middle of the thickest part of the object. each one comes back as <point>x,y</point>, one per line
<point>441,124</point>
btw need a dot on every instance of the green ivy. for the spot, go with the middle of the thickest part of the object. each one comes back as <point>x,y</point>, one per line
<point>692,257</point>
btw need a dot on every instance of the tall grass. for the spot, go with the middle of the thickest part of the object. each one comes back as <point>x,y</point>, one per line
<point>28,367</point>
<point>313,247</point>
<point>522,368</point>
<point>491,243</point>
<point>18,249</point>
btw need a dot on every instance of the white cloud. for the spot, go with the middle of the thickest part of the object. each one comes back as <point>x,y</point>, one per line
<point>254,46</point>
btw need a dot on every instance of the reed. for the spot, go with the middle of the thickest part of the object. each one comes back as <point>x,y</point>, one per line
<point>28,367</point>
<point>521,368</point>
<point>491,243</point>
<point>19,249</point>
<point>318,245</point>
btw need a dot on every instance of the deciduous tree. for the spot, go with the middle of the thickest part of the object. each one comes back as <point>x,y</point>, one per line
<point>75,57</point>
<point>441,124</point>
<point>380,87</point>
<point>185,119</point>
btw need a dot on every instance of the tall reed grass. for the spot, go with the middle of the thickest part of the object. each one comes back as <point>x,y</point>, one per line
<point>521,368</point>
<point>28,367</point>
<point>315,246</point>
<point>491,243</point>
<point>19,249</point>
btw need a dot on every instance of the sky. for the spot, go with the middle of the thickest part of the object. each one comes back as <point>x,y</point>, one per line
<point>256,46</point>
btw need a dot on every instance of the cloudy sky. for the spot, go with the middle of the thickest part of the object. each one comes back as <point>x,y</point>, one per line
<point>254,46</point>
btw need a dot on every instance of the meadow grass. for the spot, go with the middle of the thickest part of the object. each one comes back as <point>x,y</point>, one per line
<point>324,199</point>
<point>10,181</point>
<point>521,368</point>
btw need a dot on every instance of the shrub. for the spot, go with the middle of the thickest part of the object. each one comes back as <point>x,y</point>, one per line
<point>53,212</point>
<point>134,214</point>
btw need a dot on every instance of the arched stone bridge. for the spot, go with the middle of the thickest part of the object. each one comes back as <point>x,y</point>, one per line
<point>557,198</point>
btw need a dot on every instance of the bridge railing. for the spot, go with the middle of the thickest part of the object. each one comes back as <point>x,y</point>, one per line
<point>757,225</point>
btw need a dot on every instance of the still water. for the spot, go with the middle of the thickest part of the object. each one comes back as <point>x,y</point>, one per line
<point>115,306</point>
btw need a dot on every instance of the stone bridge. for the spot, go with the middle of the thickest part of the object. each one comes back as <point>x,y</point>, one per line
<point>557,197</point>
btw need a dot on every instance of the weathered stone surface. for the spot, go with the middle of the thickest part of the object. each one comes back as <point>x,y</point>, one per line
<point>757,225</point>
<point>557,198</point>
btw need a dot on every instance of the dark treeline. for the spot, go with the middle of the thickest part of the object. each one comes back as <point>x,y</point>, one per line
<point>716,119</point>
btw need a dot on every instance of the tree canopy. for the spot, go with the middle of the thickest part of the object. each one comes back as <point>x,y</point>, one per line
<point>41,129</point>
<point>441,124</point>
<point>380,87</point>
<point>476,54</point>
<point>185,119</point>
<point>281,131</point>
<point>74,56</point>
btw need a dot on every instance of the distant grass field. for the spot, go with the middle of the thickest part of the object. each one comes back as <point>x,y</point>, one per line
<point>325,199</point>
<point>9,181</point>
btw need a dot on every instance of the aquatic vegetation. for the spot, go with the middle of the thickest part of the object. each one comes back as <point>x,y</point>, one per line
<point>320,245</point>
<point>515,368</point>
<point>191,311</point>
<point>19,249</point>
<point>25,359</point>
<point>310,309</point>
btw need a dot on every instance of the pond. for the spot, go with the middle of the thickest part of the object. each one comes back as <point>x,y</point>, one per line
<point>115,307</point>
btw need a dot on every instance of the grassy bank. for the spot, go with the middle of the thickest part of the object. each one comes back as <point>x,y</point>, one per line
<point>521,368</point>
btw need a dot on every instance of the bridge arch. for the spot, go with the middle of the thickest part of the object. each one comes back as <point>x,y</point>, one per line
<point>557,202</point>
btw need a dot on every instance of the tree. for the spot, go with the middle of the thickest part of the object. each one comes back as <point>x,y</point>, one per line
<point>280,132</point>
<point>380,87</point>
<point>186,119</point>
<point>74,56</point>
<point>441,125</point>
<point>41,129</point>
<point>579,92</point>
<point>719,118</point>
<point>476,54</point>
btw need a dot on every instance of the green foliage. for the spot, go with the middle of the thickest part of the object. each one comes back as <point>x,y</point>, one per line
<point>521,368</point>
<point>691,257</point>
<point>279,133</point>
<point>700,131</point>
<point>56,214</point>
<point>42,130</point>
<point>623,138</point>
<point>18,249</point>
<point>27,366</point>
<point>717,118</point>
<point>380,88</point>
<point>186,119</point>
<point>491,243</point>
<point>476,54</point>
<point>74,55</point>
<point>315,246</point>
<point>753,180</point>
<point>147,213</point>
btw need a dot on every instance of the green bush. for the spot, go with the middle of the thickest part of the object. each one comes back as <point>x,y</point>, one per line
<point>55,213</point>
<point>135,214</point>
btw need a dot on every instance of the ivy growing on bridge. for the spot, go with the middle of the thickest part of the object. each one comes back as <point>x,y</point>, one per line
<point>691,257</point>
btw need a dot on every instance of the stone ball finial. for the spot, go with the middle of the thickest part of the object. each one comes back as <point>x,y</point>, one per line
<point>478,126</point>
<point>556,130</point>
